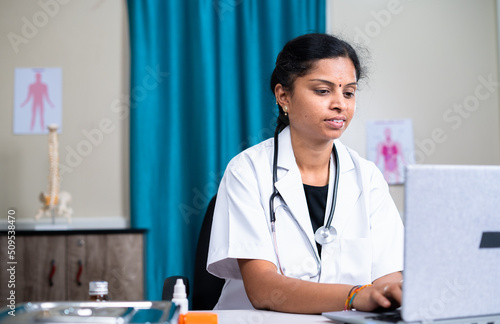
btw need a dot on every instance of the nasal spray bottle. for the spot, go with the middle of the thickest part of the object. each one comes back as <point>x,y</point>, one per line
<point>180,297</point>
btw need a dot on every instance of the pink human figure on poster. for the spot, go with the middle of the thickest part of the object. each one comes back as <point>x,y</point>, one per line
<point>390,151</point>
<point>38,90</point>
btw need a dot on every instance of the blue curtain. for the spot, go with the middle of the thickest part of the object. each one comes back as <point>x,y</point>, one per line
<point>199,95</point>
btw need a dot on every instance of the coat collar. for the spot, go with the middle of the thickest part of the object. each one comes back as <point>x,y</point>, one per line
<point>286,158</point>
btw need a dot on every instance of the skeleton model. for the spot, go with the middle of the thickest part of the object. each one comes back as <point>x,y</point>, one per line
<point>55,203</point>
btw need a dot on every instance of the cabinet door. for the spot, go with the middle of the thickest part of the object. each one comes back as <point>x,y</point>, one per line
<point>125,266</point>
<point>86,262</point>
<point>7,280</point>
<point>41,268</point>
<point>115,258</point>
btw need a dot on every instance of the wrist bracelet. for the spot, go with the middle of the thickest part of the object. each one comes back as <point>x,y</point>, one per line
<point>350,297</point>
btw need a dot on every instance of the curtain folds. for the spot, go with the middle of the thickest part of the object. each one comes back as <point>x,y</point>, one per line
<point>199,94</point>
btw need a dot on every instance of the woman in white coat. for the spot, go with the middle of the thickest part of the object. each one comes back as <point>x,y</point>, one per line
<point>268,209</point>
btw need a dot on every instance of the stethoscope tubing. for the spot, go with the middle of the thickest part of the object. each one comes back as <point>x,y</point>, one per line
<point>335,187</point>
<point>276,193</point>
<point>305,237</point>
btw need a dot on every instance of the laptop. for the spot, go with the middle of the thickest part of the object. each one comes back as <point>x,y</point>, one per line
<point>452,248</point>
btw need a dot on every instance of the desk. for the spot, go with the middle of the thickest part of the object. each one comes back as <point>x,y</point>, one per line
<point>265,317</point>
<point>142,312</point>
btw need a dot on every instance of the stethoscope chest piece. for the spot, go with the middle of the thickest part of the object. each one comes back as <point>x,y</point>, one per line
<point>325,235</point>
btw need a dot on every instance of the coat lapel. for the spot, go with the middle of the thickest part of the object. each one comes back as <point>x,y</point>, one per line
<point>348,190</point>
<point>290,185</point>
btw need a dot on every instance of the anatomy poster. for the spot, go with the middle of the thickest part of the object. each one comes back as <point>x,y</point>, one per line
<point>37,100</point>
<point>390,147</point>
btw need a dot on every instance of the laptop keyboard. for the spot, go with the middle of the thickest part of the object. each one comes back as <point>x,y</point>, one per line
<point>395,317</point>
<point>389,317</point>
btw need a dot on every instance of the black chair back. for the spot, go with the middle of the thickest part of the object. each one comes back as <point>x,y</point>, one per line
<point>206,287</point>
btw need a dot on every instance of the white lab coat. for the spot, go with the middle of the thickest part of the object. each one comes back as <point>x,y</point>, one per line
<point>369,242</point>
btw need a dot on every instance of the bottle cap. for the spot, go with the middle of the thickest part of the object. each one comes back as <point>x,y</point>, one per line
<point>98,288</point>
<point>179,289</point>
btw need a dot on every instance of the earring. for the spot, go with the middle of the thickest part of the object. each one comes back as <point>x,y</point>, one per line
<point>285,109</point>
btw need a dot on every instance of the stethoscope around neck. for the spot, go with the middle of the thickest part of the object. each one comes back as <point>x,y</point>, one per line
<point>324,234</point>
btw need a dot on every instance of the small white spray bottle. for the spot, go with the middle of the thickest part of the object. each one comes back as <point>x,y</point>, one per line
<point>180,297</point>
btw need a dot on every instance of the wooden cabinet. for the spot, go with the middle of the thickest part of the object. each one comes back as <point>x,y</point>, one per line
<point>59,265</point>
<point>36,256</point>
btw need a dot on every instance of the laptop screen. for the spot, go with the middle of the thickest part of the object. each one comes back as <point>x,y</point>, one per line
<point>452,250</point>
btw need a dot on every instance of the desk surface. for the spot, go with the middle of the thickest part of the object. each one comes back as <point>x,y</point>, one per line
<point>68,312</point>
<point>264,317</point>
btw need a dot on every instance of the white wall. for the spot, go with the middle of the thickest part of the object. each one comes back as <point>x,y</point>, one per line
<point>427,57</point>
<point>89,41</point>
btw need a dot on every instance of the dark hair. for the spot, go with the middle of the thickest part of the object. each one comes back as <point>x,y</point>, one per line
<point>298,56</point>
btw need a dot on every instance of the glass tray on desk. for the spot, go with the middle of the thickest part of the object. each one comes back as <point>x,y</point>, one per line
<point>91,312</point>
